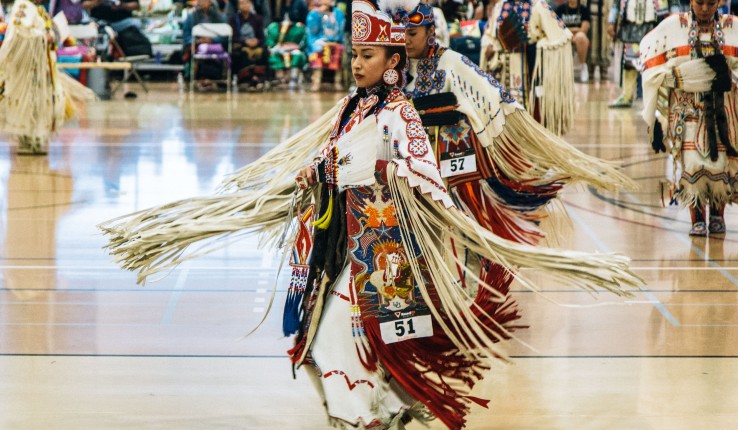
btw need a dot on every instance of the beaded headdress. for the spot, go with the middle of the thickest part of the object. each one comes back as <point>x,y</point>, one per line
<point>372,25</point>
<point>420,16</point>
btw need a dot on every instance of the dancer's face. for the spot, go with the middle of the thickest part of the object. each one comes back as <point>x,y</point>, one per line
<point>416,40</point>
<point>704,10</point>
<point>368,64</point>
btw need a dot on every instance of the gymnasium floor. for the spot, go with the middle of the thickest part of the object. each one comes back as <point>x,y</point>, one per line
<point>83,347</point>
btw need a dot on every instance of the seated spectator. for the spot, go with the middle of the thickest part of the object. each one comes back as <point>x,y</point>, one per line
<point>577,20</point>
<point>205,11</point>
<point>325,29</point>
<point>286,42</point>
<point>249,54</point>
<point>117,13</point>
<point>72,9</point>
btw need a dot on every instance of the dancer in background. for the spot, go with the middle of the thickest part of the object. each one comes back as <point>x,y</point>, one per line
<point>496,160</point>
<point>599,49</point>
<point>527,48</point>
<point>35,97</point>
<point>690,70</point>
<point>628,22</point>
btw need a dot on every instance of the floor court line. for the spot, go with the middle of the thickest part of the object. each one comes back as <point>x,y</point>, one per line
<point>176,294</point>
<point>605,248</point>
<point>685,240</point>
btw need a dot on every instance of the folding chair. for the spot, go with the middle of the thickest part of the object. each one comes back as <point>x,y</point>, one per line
<point>133,59</point>
<point>211,30</point>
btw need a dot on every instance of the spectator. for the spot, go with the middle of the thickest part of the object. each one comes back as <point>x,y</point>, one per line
<point>325,27</point>
<point>117,13</point>
<point>72,9</point>
<point>249,55</point>
<point>577,20</point>
<point>205,11</point>
<point>286,42</point>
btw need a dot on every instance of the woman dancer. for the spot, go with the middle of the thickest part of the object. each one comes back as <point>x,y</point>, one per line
<point>690,69</point>
<point>385,292</point>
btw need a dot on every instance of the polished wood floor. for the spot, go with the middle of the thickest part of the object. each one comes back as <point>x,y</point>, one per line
<point>83,347</point>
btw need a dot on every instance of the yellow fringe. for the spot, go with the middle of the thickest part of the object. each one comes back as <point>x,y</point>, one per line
<point>324,221</point>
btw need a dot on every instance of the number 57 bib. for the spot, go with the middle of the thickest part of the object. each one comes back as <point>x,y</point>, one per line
<point>458,163</point>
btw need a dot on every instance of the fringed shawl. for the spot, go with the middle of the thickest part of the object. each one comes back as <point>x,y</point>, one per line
<point>550,95</point>
<point>36,98</point>
<point>665,48</point>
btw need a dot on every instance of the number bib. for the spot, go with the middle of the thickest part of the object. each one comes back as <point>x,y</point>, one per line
<point>458,163</point>
<point>382,276</point>
<point>401,326</point>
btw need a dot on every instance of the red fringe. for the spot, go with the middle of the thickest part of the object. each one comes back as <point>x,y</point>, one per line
<point>431,369</point>
<point>491,219</point>
<point>417,363</point>
<point>296,352</point>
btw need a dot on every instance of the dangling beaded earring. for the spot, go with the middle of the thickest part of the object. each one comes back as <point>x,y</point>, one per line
<point>432,41</point>
<point>390,77</point>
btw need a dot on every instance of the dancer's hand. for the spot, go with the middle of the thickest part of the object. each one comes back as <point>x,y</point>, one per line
<point>306,177</point>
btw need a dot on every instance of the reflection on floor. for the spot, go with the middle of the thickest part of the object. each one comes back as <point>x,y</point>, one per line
<point>83,347</point>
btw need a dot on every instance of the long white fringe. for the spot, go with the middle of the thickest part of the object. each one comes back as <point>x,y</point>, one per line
<point>544,156</point>
<point>31,104</point>
<point>158,239</point>
<point>554,73</point>
<point>432,225</point>
<point>285,159</point>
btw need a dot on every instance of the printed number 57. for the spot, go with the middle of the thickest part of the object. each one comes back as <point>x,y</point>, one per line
<point>400,329</point>
<point>457,164</point>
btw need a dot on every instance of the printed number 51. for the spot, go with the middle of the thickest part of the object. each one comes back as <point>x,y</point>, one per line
<point>400,330</point>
